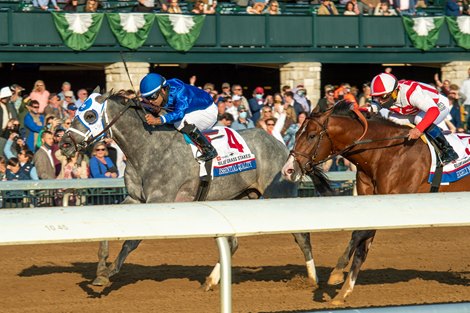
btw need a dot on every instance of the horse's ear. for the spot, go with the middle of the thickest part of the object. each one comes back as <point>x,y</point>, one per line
<point>97,89</point>
<point>106,95</point>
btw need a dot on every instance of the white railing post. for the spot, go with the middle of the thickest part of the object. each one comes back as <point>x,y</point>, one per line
<point>225,257</point>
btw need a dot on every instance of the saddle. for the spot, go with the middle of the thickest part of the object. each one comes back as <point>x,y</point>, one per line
<point>234,156</point>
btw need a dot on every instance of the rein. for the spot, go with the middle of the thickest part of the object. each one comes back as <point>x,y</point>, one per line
<point>308,167</point>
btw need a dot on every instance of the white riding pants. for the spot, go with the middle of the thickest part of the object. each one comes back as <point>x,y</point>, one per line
<point>444,110</point>
<point>203,119</point>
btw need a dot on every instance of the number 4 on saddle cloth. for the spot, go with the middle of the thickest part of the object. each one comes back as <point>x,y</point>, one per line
<point>457,169</point>
<point>233,154</point>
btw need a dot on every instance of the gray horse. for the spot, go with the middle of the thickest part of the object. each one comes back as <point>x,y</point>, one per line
<point>161,168</point>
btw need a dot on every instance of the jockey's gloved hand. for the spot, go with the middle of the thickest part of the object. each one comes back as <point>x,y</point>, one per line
<point>374,107</point>
<point>384,112</point>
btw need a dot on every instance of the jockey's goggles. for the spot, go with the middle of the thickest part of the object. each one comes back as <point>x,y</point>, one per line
<point>384,97</point>
<point>152,97</point>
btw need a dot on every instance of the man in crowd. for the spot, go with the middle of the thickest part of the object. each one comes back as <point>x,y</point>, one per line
<point>54,107</point>
<point>243,121</point>
<point>7,108</point>
<point>82,96</point>
<point>43,159</point>
<point>256,103</point>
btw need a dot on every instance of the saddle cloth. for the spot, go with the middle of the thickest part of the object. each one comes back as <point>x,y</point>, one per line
<point>233,154</point>
<point>458,169</point>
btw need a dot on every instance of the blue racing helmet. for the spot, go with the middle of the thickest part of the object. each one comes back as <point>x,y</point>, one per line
<point>151,85</point>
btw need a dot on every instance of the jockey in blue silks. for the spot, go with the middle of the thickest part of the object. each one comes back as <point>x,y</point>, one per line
<point>188,108</point>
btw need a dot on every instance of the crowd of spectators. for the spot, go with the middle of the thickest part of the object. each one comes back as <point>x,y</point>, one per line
<point>32,125</point>
<point>273,7</point>
<point>31,128</point>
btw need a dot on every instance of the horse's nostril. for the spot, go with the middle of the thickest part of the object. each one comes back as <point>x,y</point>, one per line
<point>290,171</point>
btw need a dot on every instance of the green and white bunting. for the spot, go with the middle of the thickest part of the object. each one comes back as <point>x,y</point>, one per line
<point>131,29</point>
<point>459,27</point>
<point>423,31</point>
<point>180,31</point>
<point>78,30</point>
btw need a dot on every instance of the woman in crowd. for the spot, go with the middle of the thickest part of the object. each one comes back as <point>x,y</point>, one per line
<point>75,167</point>
<point>257,8</point>
<point>14,144</point>
<point>174,7</point>
<point>13,126</point>
<point>101,166</point>
<point>289,137</point>
<point>273,8</point>
<point>40,94</point>
<point>349,9</point>
<point>383,9</point>
<point>91,6</point>
<point>201,8</point>
<point>365,99</point>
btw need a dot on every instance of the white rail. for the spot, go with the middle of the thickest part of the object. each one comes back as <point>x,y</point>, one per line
<point>231,218</point>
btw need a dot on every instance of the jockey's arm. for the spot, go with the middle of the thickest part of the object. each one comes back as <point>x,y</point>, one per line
<point>180,103</point>
<point>425,103</point>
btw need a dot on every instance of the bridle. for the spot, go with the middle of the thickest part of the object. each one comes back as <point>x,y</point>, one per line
<point>312,163</point>
<point>89,139</point>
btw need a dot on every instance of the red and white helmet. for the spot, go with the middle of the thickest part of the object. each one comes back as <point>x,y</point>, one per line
<point>383,84</point>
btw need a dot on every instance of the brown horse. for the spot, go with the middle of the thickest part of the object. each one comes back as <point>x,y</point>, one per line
<point>387,163</point>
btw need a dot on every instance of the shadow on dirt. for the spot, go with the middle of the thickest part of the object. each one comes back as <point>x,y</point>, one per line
<point>293,275</point>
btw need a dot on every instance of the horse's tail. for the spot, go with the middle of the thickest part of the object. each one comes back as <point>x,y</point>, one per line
<point>320,181</point>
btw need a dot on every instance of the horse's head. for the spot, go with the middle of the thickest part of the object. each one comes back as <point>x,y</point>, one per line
<point>88,126</point>
<point>316,138</point>
<point>312,144</point>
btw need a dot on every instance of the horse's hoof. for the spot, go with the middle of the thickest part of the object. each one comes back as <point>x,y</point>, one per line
<point>206,287</point>
<point>337,302</point>
<point>336,278</point>
<point>101,281</point>
<point>314,286</point>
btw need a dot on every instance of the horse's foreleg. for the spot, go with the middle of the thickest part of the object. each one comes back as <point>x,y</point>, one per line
<point>303,240</point>
<point>359,258</point>
<point>337,275</point>
<point>214,278</point>
<point>103,253</point>
<point>102,272</point>
<point>127,247</point>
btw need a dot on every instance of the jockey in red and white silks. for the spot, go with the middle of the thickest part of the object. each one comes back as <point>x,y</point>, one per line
<point>408,101</point>
<point>419,104</point>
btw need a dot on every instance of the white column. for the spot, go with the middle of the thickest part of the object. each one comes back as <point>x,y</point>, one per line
<point>117,78</point>
<point>303,73</point>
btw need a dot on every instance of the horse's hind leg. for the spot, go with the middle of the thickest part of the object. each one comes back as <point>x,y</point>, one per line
<point>214,278</point>
<point>103,253</point>
<point>303,240</point>
<point>127,247</point>
<point>337,275</point>
<point>359,258</point>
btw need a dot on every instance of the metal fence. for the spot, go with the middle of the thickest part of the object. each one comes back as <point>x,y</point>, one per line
<point>46,193</point>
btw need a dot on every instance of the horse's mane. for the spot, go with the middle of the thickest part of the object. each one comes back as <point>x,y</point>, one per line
<point>344,108</point>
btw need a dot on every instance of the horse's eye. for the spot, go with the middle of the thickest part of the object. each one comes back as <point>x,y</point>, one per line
<point>311,135</point>
<point>90,117</point>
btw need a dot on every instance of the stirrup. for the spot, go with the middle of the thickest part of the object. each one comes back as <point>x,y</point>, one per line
<point>207,155</point>
<point>448,156</point>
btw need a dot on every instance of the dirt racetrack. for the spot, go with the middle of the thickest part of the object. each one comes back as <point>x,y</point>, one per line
<point>404,267</point>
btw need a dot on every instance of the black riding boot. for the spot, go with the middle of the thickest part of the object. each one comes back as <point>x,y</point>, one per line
<point>208,151</point>
<point>446,153</point>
